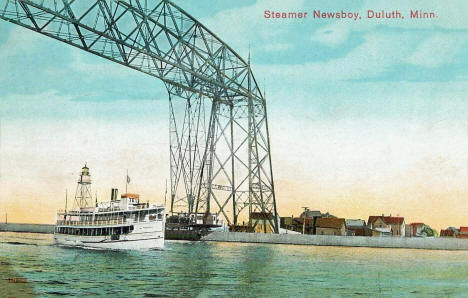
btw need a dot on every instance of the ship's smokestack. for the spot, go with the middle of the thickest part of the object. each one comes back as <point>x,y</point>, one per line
<point>114,194</point>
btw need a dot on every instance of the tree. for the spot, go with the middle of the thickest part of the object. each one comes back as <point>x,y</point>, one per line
<point>429,232</point>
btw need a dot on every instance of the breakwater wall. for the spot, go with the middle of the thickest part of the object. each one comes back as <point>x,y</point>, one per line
<point>352,241</point>
<point>27,228</point>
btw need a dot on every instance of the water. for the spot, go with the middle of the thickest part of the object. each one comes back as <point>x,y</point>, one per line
<point>227,269</point>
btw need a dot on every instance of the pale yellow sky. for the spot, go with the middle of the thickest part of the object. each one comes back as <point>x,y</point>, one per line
<point>414,171</point>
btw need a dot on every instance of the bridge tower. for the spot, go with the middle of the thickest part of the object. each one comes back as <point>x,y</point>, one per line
<point>220,157</point>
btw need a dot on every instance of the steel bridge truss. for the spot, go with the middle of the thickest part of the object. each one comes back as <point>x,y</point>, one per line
<point>219,140</point>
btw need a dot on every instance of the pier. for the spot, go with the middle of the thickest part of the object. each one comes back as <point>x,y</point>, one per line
<point>27,228</point>
<point>347,241</point>
<point>438,243</point>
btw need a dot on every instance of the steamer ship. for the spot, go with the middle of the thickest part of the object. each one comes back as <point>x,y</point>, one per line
<point>121,223</point>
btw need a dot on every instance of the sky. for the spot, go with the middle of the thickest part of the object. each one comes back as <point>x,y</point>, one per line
<point>367,117</point>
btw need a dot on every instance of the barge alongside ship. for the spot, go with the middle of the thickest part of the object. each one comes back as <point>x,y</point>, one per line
<point>121,223</point>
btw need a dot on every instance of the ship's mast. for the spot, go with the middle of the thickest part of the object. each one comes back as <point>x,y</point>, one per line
<point>83,197</point>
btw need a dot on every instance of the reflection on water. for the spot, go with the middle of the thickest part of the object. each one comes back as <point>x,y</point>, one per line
<point>8,289</point>
<point>228,269</point>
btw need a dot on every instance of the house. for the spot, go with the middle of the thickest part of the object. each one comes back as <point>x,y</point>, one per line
<point>379,227</point>
<point>355,223</point>
<point>387,224</point>
<point>449,232</point>
<point>305,223</point>
<point>463,232</point>
<point>357,227</point>
<point>414,229</point>
<point>331,226</point>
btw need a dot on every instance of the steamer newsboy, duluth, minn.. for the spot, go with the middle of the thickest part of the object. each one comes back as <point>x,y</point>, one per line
<point>123,223</point>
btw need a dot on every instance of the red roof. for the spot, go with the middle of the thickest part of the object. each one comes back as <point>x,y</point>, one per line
<point>389,220</point>
<point>417,224</point>
<point>330,222</point>
<point>464,230</point>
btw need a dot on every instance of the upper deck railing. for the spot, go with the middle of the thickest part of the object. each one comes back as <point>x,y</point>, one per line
<point>109,210</point>
<point>92,223</point>
<point>118,221</point>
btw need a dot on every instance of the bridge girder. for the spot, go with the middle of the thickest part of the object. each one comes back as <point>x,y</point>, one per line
<point>224,157</point>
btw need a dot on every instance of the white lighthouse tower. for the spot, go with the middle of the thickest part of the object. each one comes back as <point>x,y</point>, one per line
<point>83,198</point>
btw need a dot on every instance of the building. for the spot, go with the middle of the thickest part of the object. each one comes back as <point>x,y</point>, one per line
<point>463,232</point>
<point>414,229</point>
<point>311,214</point>
<point>331,226</point>
<point>449,232</point>
<point>357,227</point>
<point>387,225</point>
<point>305,223</point>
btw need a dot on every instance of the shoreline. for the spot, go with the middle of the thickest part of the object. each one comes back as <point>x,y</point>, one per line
<point>27,228</point>
<point>437,243</point>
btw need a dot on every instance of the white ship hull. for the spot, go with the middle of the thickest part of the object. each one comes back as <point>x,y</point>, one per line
<point>148,235</point>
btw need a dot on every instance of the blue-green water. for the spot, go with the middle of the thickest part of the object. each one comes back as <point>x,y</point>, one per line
<point>210,269</point>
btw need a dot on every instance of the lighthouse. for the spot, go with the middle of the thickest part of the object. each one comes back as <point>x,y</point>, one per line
<point>83,198</point>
